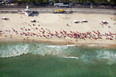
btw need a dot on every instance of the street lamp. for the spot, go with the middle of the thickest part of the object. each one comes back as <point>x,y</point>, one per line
<point>91,6</point>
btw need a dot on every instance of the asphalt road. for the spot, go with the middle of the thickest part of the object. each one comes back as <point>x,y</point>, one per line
<point>75,10</point>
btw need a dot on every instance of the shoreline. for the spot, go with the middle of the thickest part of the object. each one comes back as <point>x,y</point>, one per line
<point>55,41</point>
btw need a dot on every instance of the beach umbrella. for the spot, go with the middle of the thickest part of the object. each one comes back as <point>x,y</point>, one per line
<point>28,29</point>
<point>56,32</point>
<point>36,28</point>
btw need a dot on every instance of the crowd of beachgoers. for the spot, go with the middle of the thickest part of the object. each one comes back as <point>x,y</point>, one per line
<point>44,28</point>
<point>34,30</point>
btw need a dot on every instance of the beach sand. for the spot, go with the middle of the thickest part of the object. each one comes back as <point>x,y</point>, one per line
<point>20,28</point>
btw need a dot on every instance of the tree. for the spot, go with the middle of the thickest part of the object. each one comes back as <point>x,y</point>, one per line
<point>65,0</point>
<point>113,2</point>
<point>55,1</point>
<point>14,1</point>
<point>82,1</point>
<point>38,1</point>
<point>100,1</point>
<point>45,1</point>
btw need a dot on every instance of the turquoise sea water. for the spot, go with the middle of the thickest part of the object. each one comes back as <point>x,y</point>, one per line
<point>44,60</point>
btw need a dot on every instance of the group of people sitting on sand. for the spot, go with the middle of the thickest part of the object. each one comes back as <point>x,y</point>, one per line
<point>37,31</point>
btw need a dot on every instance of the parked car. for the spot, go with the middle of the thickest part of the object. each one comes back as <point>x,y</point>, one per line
<point>61,5</point>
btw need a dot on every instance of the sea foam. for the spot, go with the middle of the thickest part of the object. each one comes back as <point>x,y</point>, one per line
<point>86,55</point>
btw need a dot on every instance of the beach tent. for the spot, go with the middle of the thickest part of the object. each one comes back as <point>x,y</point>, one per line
<point>104,22</point>
<point>75,21</point>
<point>84,20</point>
<point>32,20</point>
<point>3,18</point>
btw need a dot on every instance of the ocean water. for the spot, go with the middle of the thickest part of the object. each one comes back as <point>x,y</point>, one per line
<point>44,60</point>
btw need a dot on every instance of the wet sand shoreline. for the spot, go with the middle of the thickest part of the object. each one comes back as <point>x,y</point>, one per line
<point>55,41</point>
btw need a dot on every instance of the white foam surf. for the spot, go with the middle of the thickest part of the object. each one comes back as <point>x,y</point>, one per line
<point>63,51</point>
<point>71,57</point>
<point>12,51</point>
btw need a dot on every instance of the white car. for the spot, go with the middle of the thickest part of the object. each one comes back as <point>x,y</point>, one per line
<point>61,5</point>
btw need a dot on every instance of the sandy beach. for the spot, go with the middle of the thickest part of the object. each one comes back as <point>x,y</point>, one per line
<point>59,28</point>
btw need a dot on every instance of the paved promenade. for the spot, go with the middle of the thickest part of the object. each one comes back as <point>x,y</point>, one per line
<point>50,10</point>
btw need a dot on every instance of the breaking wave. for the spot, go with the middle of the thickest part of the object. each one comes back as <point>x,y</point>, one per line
<point>71,57</point>
<point>86,55</point>
<point>13,50</point>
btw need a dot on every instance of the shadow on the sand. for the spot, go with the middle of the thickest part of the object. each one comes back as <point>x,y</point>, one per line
<point>35,13</point>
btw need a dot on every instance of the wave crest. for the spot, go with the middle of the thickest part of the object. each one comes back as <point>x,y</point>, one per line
<point>85,55</point>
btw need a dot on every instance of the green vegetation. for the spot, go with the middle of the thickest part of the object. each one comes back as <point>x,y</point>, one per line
<point>79,1</point>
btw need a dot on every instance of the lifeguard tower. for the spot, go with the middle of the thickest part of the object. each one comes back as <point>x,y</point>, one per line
<point>28,12</point>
